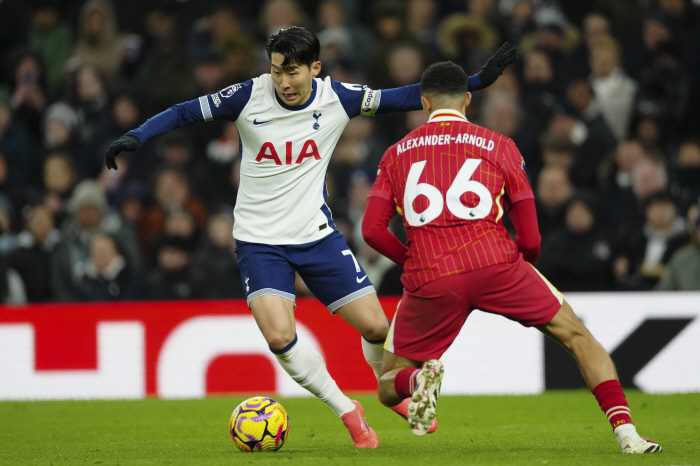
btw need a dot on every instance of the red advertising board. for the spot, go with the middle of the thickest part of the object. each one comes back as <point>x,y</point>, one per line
<point>66,341</point>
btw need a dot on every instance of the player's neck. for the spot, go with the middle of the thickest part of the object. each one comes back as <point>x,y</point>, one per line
<point>445,110</point>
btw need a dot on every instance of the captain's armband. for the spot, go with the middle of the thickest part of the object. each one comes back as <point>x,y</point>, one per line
<point>370,101</point>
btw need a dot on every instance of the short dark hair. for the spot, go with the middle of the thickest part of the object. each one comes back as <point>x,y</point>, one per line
<point>444,78</point>
<point>297,44</point>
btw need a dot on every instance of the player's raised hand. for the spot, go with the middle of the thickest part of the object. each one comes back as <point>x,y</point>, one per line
<point>495,65</point>
<point>125,143</point>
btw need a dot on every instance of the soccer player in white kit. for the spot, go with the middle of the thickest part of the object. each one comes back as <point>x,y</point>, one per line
<point>289,122</point>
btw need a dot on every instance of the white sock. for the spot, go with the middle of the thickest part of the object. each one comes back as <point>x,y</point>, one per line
<point>626,430</point>
<point>373,355</point>
<point>308,369</point>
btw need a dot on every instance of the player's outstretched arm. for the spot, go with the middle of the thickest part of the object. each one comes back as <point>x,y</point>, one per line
<point>407,98</point>
<point>225,104</point>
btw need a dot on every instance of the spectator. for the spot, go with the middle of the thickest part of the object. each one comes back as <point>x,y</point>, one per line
<point>466,39</point>
<point>172,193</point>
<point>29,94</point>
<point>626,210</point>
<point>577,257</point>
<point>622,210</point>
<point>31,257</point>
<point>655,30</point>
<point>664,91</point>
<point>421,21</point>
<point>358,190</point>
<point>521,18</point>
<point>132,203</point>
<point>59,178</point>
<point>16,143</point>
<point>222,170</point>
<point>390,28</point>
<point>644,255</point>
<point>166,74</point>
<point>89,100</point>
<point>15,193</point>
<point>89,216</point>
<point>554,35</point>
<point>683,271</point>
<point>108,276</point>
<point>100,45</point>
<point>502,113</point>
<point>216,259</point>
<point>685,184</point>
<point>53,40</point>
<point>60,129</point>
<point>340,41</point>
<point>540,97</point>
<point>596,26</point>
<point>12,291</point>
<point>124,111</point>
<point>174,277</point>
<point>360,145</point>
<point>558,151</point>
<point>589,132</point>
<point>278,14</point>
<point>8,234</point>
<point>682,19</point>
<point>182,224</point>
<point>613,88</point>
<point>554,190</point>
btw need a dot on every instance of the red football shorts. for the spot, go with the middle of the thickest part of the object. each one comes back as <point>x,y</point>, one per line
<point>428,320</point>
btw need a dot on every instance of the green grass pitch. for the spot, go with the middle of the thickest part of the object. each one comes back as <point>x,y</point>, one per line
<point>556,428</point>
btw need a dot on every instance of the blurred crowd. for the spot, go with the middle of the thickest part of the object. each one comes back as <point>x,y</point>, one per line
<point>603,104</point>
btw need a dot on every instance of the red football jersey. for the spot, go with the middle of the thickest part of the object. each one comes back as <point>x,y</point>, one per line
<point>449,180</point>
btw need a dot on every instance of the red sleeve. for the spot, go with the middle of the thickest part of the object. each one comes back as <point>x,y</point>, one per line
<point>375,222</point>
<point>516,184</point>
<point>527,234</point>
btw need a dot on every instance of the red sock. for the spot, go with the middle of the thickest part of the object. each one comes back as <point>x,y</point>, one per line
<point>612,401</point>
<point>405,382</point>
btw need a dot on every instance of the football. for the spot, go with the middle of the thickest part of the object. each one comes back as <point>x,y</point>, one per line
<point>259,424</point>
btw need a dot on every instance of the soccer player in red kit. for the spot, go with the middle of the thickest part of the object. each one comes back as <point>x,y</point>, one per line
<point>451,181</point>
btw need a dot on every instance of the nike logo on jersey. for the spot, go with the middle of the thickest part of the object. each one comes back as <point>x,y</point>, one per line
<point>256,122</point>
<point>360,280</point>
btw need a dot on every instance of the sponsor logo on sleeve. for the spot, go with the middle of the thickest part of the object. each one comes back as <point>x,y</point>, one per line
<point>522,165</point>
<point>217,101</point>
<point>229,91</point>
<point>354,87</point>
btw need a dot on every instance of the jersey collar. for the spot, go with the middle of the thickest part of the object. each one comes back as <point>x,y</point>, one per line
<point>444,114</point>
<point>294,108</point>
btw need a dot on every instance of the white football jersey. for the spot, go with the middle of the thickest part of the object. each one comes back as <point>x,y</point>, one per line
<point>285,153</point>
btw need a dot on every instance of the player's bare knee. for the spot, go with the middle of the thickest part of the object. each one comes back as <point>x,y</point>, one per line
<point>279,340</point>
<point>377,332</point>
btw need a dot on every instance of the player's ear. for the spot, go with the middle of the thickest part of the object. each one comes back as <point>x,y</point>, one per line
<point>427,105</point>
<point>315,68</point>
<point>469,99</point>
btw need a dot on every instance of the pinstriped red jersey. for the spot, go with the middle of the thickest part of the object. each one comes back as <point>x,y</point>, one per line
<point>450,180</point>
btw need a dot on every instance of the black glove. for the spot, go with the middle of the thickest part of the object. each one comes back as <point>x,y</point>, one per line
<point>124,143</point>
<point>495,65</point>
